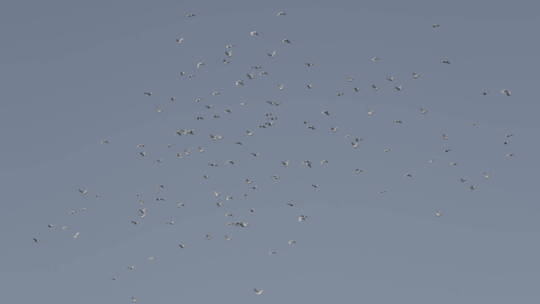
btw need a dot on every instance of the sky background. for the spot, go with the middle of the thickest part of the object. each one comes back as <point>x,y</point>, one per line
<point>73,74</point>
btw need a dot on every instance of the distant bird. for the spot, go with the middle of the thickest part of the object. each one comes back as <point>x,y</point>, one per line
<point>506,92</point>
<point>258,291</point>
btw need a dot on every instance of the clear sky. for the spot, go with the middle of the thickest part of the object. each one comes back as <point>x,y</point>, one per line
<point>73,74</point>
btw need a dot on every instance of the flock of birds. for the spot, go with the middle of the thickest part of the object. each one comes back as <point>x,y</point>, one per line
<point>271,119</point>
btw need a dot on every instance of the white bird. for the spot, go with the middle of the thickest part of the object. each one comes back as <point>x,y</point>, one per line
<point>254,33</point>
<point>258,291</point>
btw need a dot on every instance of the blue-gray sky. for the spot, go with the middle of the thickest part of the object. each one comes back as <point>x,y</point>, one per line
<point>73,74</point>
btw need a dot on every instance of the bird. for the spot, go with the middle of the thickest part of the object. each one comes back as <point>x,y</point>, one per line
<point>506,92</point>
<point>258,291</point>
